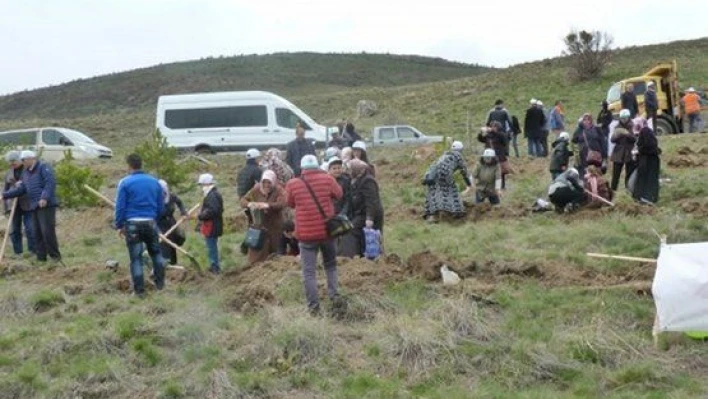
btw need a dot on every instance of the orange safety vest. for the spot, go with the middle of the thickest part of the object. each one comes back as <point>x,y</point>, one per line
<point>692,102</point>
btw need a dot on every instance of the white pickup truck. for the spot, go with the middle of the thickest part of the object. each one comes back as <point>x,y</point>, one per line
<point>400,135</point>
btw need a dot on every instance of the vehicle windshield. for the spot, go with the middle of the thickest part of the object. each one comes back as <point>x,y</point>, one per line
<point>615,92</point>
<point>77,137</point>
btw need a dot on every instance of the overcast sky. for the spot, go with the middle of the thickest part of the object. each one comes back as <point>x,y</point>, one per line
<point>47,42</point>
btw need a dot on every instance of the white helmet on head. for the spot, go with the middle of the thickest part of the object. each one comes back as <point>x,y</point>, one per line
<point>533,101</point>
<point>253,154</point>
<point>359,145</point>
<point>625,113</point>
<point>564,136</point>
<point>489,153</point>
<point>691,90</point>
<point>457,146</point>
<point>573,172</point>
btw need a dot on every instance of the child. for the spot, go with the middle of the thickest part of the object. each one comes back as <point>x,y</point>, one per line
<point>561,155</point>
<point>487,177</point>
<point>288,243</point>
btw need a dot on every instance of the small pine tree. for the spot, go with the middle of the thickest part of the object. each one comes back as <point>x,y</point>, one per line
<point>71,179</point>
<point>160,159</point>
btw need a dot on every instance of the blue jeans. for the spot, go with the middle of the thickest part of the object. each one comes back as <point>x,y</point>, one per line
<point>535,148</point>
<point>18,219</point>
<point>138,234</point>
<point>212,244</point>
<point>694,122</point>
<point>493,199</point>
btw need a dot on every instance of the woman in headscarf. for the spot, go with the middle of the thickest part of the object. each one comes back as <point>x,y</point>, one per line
<point>591,143</point>
<point>442,190</point>
<point>646,184</point>
<point>273,160</point>
<point>366,207</point>
<point>266,201</point>
<point>623,139</point>
<point>167,219</point>
<point>359,152</point>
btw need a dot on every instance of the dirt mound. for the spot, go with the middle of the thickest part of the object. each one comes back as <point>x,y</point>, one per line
<point>686,161</point>
<point>695,207</point>
<point>631,209</point>
<point>685,151</point>
<point>426,265</point>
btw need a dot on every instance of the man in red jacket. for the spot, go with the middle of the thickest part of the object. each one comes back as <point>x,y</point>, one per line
<point>304,193</point>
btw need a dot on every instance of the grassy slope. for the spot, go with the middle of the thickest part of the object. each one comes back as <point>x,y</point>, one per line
<point>544,339</point>
<point>285,73</point>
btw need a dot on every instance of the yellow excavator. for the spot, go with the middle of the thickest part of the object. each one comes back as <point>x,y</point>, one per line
<point>665,77</point>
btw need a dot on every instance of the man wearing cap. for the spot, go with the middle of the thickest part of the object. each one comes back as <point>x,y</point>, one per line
<point>139,203</point>
<point>248,177</point>
<point>651,104</point>
<point>211,219</point>
<point>13,178</point>
<point>39,184</point>
<point>534,122</point>
<point>298,148</point>
<point>315,187</point>
<point>692,104</point>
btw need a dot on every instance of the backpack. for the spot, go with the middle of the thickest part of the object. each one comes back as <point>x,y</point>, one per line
<point>372,243</point>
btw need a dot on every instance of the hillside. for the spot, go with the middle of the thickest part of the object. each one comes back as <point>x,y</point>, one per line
<point>437,107</point>
<point>285,73</point>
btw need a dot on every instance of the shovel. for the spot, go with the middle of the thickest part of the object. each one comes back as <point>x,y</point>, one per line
<point>7,230</point>
<point>181,220</point>
<point>195,265</point>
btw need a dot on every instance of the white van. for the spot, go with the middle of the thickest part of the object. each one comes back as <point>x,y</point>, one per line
<point>53,141</point>
<point>232,121</point>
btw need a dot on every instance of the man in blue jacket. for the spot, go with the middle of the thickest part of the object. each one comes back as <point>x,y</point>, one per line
<point>138,205</point>
<point>39,184</point>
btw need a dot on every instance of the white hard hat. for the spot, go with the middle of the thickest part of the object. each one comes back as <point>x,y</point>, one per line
<point>650,83</point>
<point>27,154</point>
<point>253,153</point>
<point>564,136</point>
<point>309,162</point>
<point>533,101</point>
<point>331,152</point>
<point>360,145</point>
<point>457,146</point>
<point>625,113</point>
<point>539,102</point>
<point>573,172</point>
<point>206,179</point>
<point>489,153</point>
<point>691,90</point>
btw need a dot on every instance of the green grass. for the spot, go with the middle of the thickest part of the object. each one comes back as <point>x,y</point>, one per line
<point>549,338</point>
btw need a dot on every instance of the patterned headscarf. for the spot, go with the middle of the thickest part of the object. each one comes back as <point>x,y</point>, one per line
<point>273,162</point>
<point>358,168</point>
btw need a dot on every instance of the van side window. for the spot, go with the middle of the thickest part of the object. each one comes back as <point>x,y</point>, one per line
<point>19,138</point>
<point>287,119</point>
<point>52,137</point>
<point>255,115</point>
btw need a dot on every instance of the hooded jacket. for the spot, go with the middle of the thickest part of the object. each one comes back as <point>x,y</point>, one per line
<point>560,157</point>
<point>248,176</point>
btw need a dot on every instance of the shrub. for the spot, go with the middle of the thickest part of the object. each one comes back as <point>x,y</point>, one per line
<point>160,159</point>
<point>71,179</point>
<point>590,52</point>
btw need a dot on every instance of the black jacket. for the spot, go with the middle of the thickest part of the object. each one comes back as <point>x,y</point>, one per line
<point>366,203</point>
<point>629,101</point>
<point>213,209</point>
<point>651,102</point>
<point>624,140</point>
<point>604,119</point>
<point>248,177</point>
<point>297,149</point>
<point>167,219</point>
<point>534,123</point>
<point>647,144</point>
<point>560,157</point>
<point>500,115</point>
<point>596,141</point>
<point>344,205</point>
